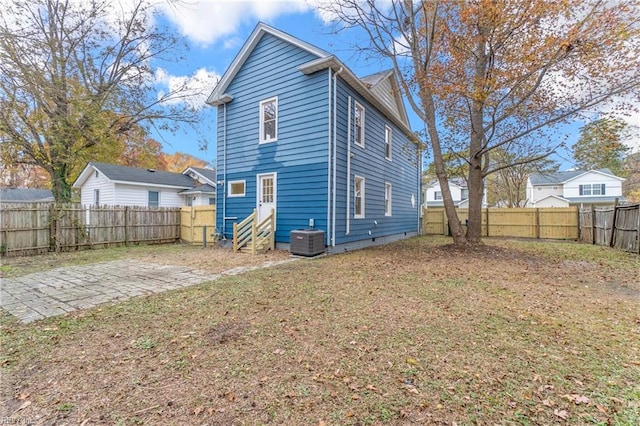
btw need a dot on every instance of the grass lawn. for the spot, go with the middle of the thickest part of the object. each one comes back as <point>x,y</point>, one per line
<point>416,332</point>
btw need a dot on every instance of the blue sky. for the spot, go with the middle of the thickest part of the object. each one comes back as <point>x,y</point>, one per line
<point>216,30</point>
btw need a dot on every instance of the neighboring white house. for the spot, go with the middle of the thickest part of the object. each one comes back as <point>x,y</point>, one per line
<point>574,188</point>
<point>114,185</point>
<point>459,192</point>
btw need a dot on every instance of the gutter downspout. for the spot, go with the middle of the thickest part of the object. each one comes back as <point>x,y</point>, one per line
<point>329,162</point>
<point>224,171</point>
<point>348,222</point>
<point>335,152</point>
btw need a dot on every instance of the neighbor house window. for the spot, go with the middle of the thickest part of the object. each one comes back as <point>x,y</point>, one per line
<point>189,201</point>
<point>464,194</point>
<point>359,125</point>
<point>437,195</point>
<point>358,193</point>
<point>96,197</point>
<point>592,189</point>
<point>269,120</point>
<point>237,188</point>
<point>387,199</point>
<point>388,137</point>
<point>154,199</point>
<point>212,201</point>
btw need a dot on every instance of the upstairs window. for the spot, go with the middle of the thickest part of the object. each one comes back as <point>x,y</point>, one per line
<point>388,137</point>
<point>269,120</point>
<point>358,193</point>
<point>154,199</point>
<point>359,125</point>
<point>387,199</point>
<point>592,189</point>
<point>96,197</point>
<point>437,195</point>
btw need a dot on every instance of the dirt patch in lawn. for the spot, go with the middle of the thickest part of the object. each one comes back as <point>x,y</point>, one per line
<point>409,333</point>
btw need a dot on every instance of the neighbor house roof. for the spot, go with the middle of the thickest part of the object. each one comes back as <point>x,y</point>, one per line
<point>25,195</point>
<point>562,177</point>
<point>208,174</point>
<point>199,189</point>
<point>369,87</point>
<point>134,175</point>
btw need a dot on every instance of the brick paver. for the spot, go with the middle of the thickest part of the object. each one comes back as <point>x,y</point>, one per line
<point>58,291</point>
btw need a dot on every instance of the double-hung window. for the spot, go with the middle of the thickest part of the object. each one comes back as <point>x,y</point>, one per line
<point>154,199</point>
<point>96,197</point>
<point>358,193</point>
<point>437,195</point>
<point>388,138</point>
<point>359,125</point>
<point>387,199</point>
<point>592,189</point>
<point>269,120</point>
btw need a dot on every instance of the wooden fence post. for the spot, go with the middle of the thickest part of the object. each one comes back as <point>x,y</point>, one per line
<point>487,212</point>
<point>126,225</point>
<point>52,227</point>
<point>593,224</point>
<point>613,222</point>
<point>537,222</point>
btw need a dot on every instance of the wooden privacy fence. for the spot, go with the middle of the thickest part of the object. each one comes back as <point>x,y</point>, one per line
<point>546,223</point>
<point>198,224</point>
<point>41,227</point>
<point>615,226</point>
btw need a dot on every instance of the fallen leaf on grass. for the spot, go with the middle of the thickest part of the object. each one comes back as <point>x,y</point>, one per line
<point>23,406</point>
<point>561,414</point>
<point>548,402</point>
<point>576,399</point>
<point>198,410</point>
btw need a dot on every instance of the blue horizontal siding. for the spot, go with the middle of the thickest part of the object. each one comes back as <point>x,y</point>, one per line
<point>299,156</point>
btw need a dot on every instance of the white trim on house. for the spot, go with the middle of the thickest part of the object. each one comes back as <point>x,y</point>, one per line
<point>388,142</point>
<point>359,138</point>
<point>359,195</point>
<point>264,137</point>
<point>232,194</point>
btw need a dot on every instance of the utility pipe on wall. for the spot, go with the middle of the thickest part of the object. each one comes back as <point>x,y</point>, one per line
<point>348,222</point>
<point>335,152</point>
<point>329,162</point>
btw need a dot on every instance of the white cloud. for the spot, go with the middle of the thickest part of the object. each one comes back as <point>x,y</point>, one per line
<point>206,21</point>
<point>192,90</point>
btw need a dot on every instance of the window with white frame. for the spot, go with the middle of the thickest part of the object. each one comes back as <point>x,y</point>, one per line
<point>212,201</point>
<point>96,197</point>
<point>236,188</point>
<point>358,194</point>
<point>388,138</point>
<point>387,199</point>
<point>437,195</point>
<point>592,189</point>
<point>269,120</point>
<point>154,199</point>
<point>359,125</point>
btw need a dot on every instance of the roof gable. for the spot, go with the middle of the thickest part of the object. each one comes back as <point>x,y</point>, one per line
<point>385,87</point>
<point>218,95</point>
<point>207,175</point>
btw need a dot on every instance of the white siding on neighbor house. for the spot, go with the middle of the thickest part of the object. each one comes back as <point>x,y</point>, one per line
<point>551,202</point>
<point>613,186</point>
<point>133,195</point>
<point>101,183</point>
<point>456,193</point>
<point>539,192</point>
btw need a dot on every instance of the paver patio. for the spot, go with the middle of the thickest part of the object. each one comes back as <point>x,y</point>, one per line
<point>58,291</point>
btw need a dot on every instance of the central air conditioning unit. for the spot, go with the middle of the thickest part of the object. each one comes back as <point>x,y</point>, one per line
<point>306,242</point>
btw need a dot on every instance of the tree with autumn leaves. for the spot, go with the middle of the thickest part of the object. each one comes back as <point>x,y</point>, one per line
<point>77,85</point>
<point>489,75</point>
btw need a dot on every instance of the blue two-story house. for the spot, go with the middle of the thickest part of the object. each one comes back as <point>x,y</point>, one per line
<point>299,133</point>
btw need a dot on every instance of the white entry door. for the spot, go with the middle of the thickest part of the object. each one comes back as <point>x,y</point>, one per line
<point>266,194</point>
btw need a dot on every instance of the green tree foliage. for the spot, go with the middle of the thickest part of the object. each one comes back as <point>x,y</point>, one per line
<point>77,79</point>
<point>601,146</point>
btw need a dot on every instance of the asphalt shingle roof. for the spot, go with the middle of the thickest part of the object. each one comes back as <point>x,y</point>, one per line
<point>560,177</point>
<point>134,174</point>
<point>24,195</point>
<point>208,173</point>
